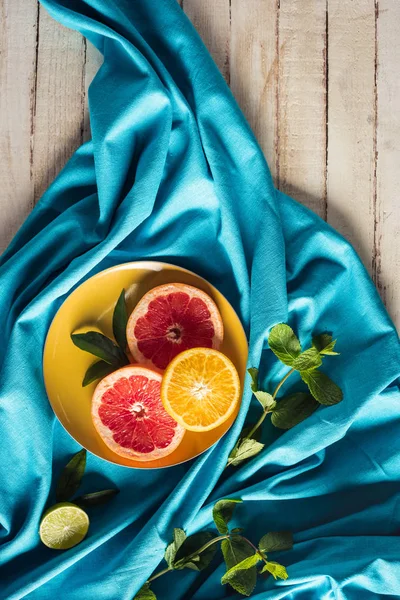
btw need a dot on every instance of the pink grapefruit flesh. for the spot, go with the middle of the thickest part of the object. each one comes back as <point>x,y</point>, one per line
<point>128,414</point>
<point>172,318</point>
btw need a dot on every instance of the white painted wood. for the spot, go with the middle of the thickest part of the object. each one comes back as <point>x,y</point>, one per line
<point>351,117</point>
<point>58,121</point>
<point>387,266</point>
<point>17,82</point>
<point>254,70</point>
<point>301,102</point>
<point>293,65</point>
<point>212,20</point>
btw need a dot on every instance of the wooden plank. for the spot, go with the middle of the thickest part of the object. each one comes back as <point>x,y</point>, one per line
<point>59,116</point>
<point>212,20</point>
<point>351,118</point>
<point>93,61</point>
<point>254,69</point>
<point>302,102</point>
<point>387,248</point>
<point>18,23</point>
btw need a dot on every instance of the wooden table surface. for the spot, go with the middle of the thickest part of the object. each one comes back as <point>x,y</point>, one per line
<point>318,81</point>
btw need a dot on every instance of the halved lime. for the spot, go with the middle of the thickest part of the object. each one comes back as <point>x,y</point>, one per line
<point>63,526</point>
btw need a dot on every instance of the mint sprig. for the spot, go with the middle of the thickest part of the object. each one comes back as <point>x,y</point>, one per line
<point>292,410</point>
<point>113,355</point>
<point>241,556</point>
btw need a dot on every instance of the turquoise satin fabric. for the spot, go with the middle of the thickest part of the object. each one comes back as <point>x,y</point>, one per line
<point>173,173</point>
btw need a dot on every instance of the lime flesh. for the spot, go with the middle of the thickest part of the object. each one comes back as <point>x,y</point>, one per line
<point>63,526</point>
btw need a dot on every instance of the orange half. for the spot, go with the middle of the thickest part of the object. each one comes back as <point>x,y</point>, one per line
<point>200,389</point>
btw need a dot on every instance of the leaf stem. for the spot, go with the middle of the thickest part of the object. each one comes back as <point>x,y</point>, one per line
<point>257,551</point>
<point>265,412</point>
<point>163,572</point>
<point>190,556</point>
<point>282,381</point>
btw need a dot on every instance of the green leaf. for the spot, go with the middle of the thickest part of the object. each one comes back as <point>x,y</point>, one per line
<point>97,370</point>
<point>246,449</point>
<point>324,344</point>
<point>277,571</point>
<point>237,530</point>
<point>223,511</point>
<point>310,359</point>
<point>70,478</point>
<point>234,551</point>
<point>275,541</point>
<point>145,593</point>
<point>293,409</point>
<point>98,344</point>
<point>179,537</point>
<point>120,321</point>
<point>284,343</point>
<point>324,390</point>
<point>96,498</point>
<point>265,399</point>
<point>254,378</point>
<point>187,556</point>
<point>236,576</point>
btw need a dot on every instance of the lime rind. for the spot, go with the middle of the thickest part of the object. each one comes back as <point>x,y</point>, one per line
<point>63,526</point>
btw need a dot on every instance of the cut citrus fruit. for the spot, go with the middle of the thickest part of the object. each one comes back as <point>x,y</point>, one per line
<point>130,418</point>
<point>200,389</point>
<point>172,318</point>
<point>63,526</point>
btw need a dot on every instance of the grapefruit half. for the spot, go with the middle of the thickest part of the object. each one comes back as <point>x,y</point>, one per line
<point>172,318</point>
<point>129,416</point>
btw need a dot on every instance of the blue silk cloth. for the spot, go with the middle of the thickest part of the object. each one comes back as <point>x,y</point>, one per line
<point>173,173</point>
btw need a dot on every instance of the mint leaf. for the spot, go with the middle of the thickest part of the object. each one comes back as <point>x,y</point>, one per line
<point>265,399</point>
<point>96,371</point>
<point>293,410</point>
<point>246,449</point>
<point>253,372</point>
<point>120,321</point>
<point>284,343</point>
<point>324,390</point>
<point>275,541</point>
<point>145,593</point>
<point>179,537</point>
<point>70,478</point>
<point>324,344</point>
<point>96,498</point>
<point>222,513</point>
<point>310,359</point>
<point>187,556</point>
<point>99,345</point>
<point>277,571</point>
<point>236,576</point>
<point>234,551</point>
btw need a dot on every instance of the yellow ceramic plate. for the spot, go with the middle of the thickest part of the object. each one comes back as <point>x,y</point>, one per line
<point>91,306</point>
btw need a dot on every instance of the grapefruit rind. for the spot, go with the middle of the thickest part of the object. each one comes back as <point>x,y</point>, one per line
<point>106,434</point>
<point>141,310</point>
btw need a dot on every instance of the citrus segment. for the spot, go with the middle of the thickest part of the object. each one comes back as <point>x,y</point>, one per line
<point>200,389</point>
<point>130,418</point>
<point>63,526</point>
<point>172,318</point>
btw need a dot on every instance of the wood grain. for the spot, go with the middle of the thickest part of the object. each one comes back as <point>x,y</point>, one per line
<point>18,28</point>
<point>59,115</point>
<point>254,70</point>
<point>352,123</point>
<point>212,20</point>
<point>317,80</point>
<point>387,260</point>
<point>302,102</point>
